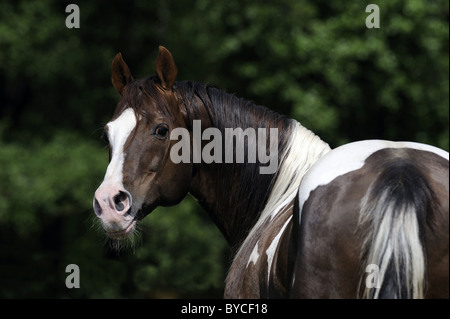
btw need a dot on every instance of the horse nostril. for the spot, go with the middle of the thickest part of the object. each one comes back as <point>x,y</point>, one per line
<point>119,201</point>
<point>97,209</point>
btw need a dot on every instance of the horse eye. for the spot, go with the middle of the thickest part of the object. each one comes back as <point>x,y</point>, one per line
<point>161,131</point>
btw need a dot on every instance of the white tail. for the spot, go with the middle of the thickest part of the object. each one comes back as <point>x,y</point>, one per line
<point>392,217</point>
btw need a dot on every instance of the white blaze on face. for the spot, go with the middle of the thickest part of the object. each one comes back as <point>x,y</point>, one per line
<point>112,202</point>
<point>118,132</point>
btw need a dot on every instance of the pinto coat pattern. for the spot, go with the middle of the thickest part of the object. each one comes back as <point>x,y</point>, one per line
<point>307,231</point>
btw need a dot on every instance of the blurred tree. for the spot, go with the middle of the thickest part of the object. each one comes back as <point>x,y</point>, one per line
<point>318,62</point>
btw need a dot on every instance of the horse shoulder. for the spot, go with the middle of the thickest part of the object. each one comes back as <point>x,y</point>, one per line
<point>260,269</point>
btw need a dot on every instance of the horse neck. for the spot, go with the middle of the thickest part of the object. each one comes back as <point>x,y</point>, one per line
<point>236,195</point>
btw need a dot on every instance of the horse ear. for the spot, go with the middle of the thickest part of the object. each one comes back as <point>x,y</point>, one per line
<point>120,75</point>
<point>165,68</point>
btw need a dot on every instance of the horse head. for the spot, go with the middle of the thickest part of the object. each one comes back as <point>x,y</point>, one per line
<point>140,175</point>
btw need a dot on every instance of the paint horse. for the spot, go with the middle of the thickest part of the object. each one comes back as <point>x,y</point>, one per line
<point>369,219</point>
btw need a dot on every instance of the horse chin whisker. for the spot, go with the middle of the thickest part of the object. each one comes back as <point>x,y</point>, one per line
<point>127,243</point>
<point>95,223</point>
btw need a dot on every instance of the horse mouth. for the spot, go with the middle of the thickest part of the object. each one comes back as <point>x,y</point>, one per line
<point>123,233</point>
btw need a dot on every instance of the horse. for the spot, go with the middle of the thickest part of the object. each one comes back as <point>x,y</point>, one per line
<point>368,219</point>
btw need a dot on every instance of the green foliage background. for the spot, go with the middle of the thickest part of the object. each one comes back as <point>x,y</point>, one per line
<point>313,60</point>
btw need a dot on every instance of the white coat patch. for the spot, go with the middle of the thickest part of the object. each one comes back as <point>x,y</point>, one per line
<point>118,132</point>
<point>254,256</point>
<point>270,252</point>
<point>348,158</point>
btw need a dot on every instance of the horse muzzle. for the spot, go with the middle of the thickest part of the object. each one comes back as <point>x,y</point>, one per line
<point>113,207</point>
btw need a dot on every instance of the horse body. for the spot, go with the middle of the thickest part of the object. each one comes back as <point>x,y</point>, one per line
<point>317,244</point>
<point>309,230</point>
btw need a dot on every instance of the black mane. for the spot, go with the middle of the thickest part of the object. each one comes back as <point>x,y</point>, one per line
<point>243,188</point>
